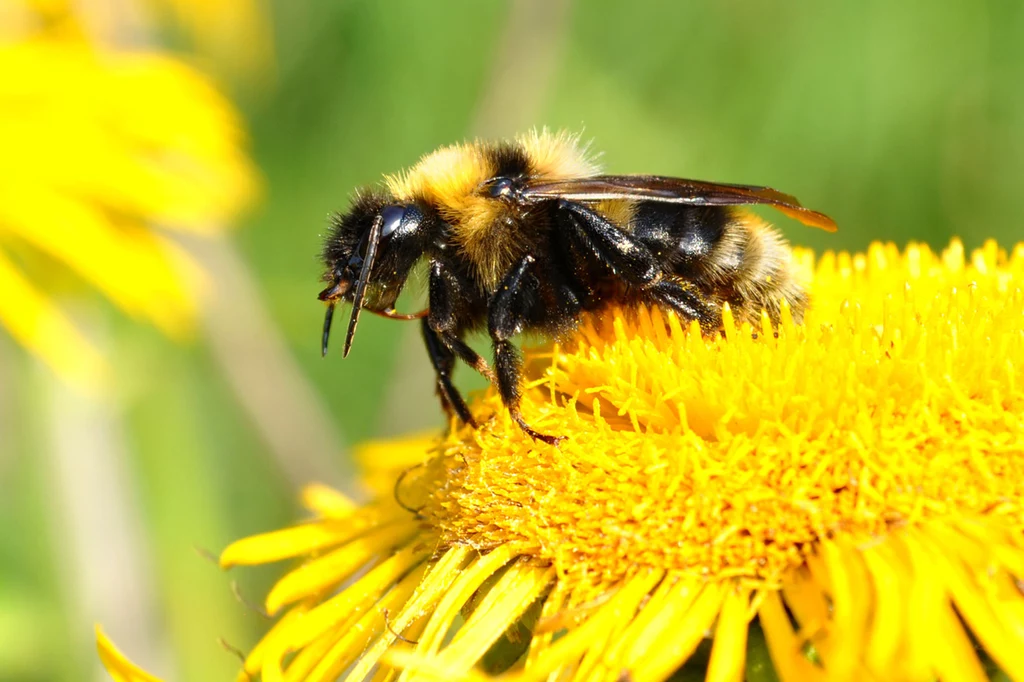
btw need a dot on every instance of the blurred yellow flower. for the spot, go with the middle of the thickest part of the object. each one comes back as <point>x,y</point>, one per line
<point>102,152</point>
<point>235,32</point>
<point>853,485</point>
<point>231,33</point>
<point>119,667</point>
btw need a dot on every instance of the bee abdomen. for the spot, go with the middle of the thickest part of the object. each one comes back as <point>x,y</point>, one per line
<point>728,254</point>
<point>750,267</point>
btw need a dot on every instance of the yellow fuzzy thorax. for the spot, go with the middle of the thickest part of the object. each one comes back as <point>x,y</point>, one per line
<point>449,179</point>
<point>901,398</point>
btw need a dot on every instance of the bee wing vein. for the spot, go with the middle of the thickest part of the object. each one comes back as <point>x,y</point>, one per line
<point>674,191</point>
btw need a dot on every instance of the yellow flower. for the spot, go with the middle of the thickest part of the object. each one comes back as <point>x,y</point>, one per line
<point>116,664</point>
<point>234,33</point>
<point>103,151</point>
<point>852,488</point>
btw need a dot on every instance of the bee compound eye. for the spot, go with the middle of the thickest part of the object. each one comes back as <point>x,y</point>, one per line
<point>391,217</point>
<point>500,187</point>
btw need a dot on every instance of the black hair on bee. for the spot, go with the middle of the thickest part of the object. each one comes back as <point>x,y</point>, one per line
<point>526,235</point>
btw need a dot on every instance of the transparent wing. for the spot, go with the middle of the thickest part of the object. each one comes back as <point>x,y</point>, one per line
<point>672,191</point>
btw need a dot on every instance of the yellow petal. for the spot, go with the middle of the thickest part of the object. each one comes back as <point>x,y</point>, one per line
<point>303,662</point>
<point>119,667</point>
<point>327,502</point>
<point>355,639</point>
<point>39,326</point>
<point>382,461</point>
<point>319,574</point>
<point>127,263</point>
<point>672,592</point>
<point>356,597</point>
<point>152,136</point>
<point>236,33</point>
<point>567,651</point>
<point>272,641</point>
<point>955,659</point>
<point>100,151</point>
<point>729,651</point>
<point>618,614</point>
<point>468,582</point>
<point>986,620</point>
<point>431,667</point>
<point>671,649</point>
<point>302,539</point>
<point>554,605</point>
<point>437,581</point>
<point>852,605</point>
<point>786,650</point>
<point>504,603</point>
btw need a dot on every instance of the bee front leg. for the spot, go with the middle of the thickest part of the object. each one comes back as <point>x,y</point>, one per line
<point>443,341</point>
<point>506,318</point>
<point>446,294</point>
<point>443,360</point>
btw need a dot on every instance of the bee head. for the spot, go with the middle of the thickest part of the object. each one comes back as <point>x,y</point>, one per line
<point>368,255</point>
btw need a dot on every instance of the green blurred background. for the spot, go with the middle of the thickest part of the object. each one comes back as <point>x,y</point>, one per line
<point>904,121</point>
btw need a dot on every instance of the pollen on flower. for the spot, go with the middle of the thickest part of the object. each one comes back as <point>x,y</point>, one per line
<point>853,483</point>
<point>899,399</point>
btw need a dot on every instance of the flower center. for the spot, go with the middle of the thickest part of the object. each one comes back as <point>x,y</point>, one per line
<point>901,397</point>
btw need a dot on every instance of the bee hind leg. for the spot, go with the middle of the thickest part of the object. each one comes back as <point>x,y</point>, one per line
<point>688,304</point>
<point>505,319</point>
<point>629,258</point>
<point>634,263</point>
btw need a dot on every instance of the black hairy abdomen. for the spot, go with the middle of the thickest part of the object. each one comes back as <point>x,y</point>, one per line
<point>681,237</point>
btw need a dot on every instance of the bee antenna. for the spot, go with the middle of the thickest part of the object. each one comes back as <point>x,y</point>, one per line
<point>364,276</point>
<point>328,318</point>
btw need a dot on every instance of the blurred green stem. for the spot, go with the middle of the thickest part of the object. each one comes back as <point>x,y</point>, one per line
<point>99,540</point>
<point>283,406</point>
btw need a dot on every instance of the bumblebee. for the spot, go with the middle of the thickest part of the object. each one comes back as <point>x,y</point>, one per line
<point>525,235</point>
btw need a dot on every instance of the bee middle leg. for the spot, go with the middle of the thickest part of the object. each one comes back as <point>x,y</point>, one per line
<point>506,318</point>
